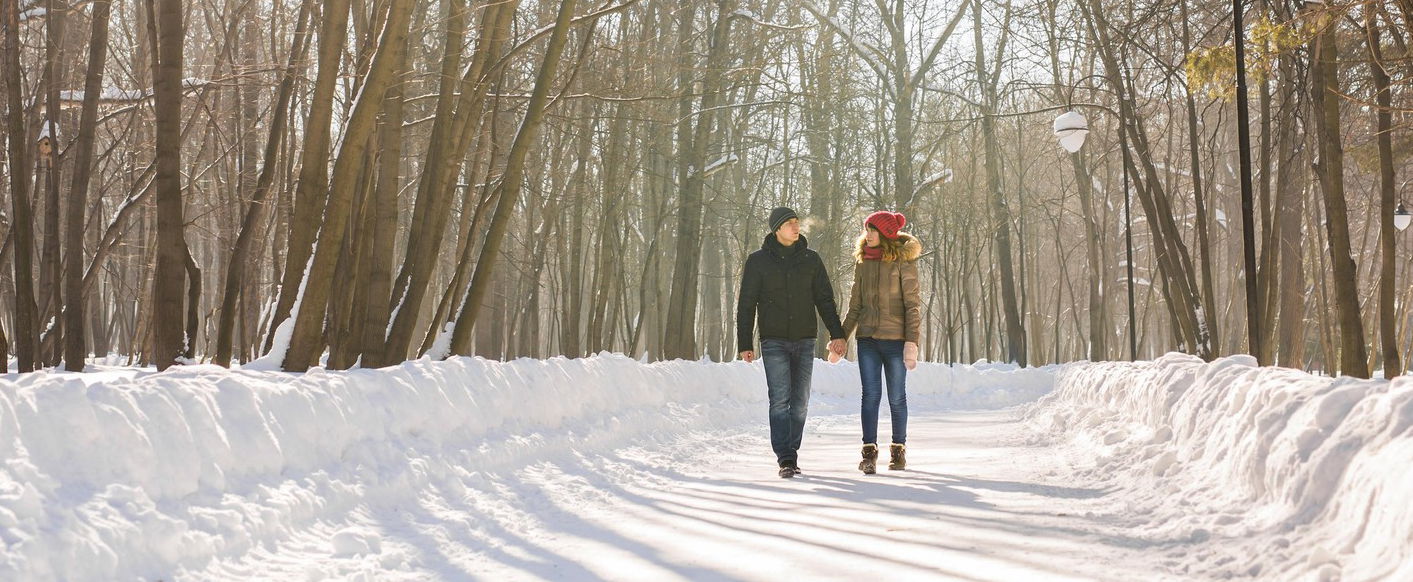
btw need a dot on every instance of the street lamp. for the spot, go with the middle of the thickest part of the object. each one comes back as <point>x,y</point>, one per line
<point>1401,217</point>
<point>1071,128</point>
<point>1248,213</point>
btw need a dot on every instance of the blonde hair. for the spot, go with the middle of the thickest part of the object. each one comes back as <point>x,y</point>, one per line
<point>892,247</point>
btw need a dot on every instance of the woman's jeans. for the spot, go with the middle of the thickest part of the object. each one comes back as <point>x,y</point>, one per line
<point>788,366</point>
<point>878,357</point>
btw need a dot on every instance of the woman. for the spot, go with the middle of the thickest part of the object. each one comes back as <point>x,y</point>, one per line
<point>885,311</point>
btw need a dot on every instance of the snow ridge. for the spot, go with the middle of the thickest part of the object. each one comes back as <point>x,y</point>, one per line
<point>1272,472</point>
<point>125,474</point>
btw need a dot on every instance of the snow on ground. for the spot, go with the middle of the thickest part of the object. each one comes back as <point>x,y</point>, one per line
<point>1234,470</point>
<point>608,468</point>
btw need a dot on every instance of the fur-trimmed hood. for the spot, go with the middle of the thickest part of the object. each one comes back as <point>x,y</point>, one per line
<point>912,248</point>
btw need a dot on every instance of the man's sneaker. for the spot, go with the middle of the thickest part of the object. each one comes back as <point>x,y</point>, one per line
<point>869,464</point>
<point>789,469</point>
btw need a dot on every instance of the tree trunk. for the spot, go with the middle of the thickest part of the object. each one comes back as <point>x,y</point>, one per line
<point>473,222</point>
<point>307,341</point>
<point>169,275</point>
<point>1204,245</point>
<point>681,325</point>
<point>1290,198</point>
<point>571,318</point>
<point>49,261</point>
<point>193,303</point>
<point>1267,275</point>
<point>904,182</point>
<point>600,322</point>
<point>817,112</point>
<point>1330,170</point>
<point>1000,215</point>
<point>1383,122</point>
<point>313,187</point>
<point>1098,344</point>
<point>257,210</point>
<point>382,222</point>
<point>343,322</point>
<point>454,132</point>
<point>22,225</point>
<point>1174,263</point>
<point>433,197</point>
<point>75,349</point>
<point>511,180</point>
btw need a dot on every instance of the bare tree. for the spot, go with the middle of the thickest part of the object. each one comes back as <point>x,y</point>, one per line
<point>307,341</point>
<point>22,230</point>
<point>452,133</point>
<point>1324,87</point>
<point>257,209</point>
<point>1383,127</point>
<point>313,187</point>
<point>508,189</point>
<point>1001,219</point>
<point>75,300</point>
<point>695,131</point>
<point>170,274</point>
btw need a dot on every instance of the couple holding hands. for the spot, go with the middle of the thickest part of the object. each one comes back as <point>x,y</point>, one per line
<point>782,288</point>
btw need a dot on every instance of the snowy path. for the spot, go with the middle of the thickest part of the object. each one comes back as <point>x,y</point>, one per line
<point>607,468</point>
<point>709,507</point>
<point>969,509</point>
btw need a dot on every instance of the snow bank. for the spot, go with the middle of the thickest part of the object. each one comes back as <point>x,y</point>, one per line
<point>134,474</point>
<point>1243,470</point>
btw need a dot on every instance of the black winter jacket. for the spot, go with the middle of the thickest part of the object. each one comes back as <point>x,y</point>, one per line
<point>785,286</point>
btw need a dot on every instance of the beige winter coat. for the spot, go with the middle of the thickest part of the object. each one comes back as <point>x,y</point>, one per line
<point>884,302</point>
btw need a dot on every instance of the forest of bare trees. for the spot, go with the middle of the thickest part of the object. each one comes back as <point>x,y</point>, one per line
<point>370,181</point>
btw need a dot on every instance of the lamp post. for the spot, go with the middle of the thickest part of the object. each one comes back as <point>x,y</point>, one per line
<point>1401,219</point>
<point>1248,220</point>
<point>1071,128</point>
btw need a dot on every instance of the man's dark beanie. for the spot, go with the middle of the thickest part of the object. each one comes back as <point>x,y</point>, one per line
<point>779,216</point>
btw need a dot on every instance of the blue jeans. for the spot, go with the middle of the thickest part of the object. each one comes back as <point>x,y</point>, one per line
<point>877,357</point>
<point>788,366</point>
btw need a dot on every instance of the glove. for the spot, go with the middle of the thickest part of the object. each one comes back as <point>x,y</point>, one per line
<point>910,355</point>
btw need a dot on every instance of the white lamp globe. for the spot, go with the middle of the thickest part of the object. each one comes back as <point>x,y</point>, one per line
<point>1071,128</point>
<point>1401,217</point>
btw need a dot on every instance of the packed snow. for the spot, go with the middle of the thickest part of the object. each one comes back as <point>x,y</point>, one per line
<point>1235,470</point>
<point>611,468</point>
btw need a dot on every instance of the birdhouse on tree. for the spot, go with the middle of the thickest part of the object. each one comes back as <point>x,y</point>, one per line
<point>46,144</point>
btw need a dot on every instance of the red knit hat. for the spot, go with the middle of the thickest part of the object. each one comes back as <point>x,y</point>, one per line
<point>887,223</point>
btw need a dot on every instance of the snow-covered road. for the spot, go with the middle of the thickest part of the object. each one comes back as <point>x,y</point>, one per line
<point>607,468</point>
<point>974,505</point>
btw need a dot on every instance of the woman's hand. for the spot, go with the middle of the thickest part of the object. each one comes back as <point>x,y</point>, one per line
<point>910,355</point>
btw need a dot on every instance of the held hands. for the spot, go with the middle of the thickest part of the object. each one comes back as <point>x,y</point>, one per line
<point>749,356</point>
<point>910,355</point>
<point>838,347</point>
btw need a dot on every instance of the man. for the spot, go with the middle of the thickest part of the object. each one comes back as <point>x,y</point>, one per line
<point>785,283</point>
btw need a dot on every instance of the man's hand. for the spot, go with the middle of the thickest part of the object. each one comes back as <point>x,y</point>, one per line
<point>749,356</point>
<point>838,346</point>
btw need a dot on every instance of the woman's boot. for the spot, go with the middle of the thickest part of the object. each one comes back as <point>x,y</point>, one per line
<point>869,463</point>
<point>898,457</point>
